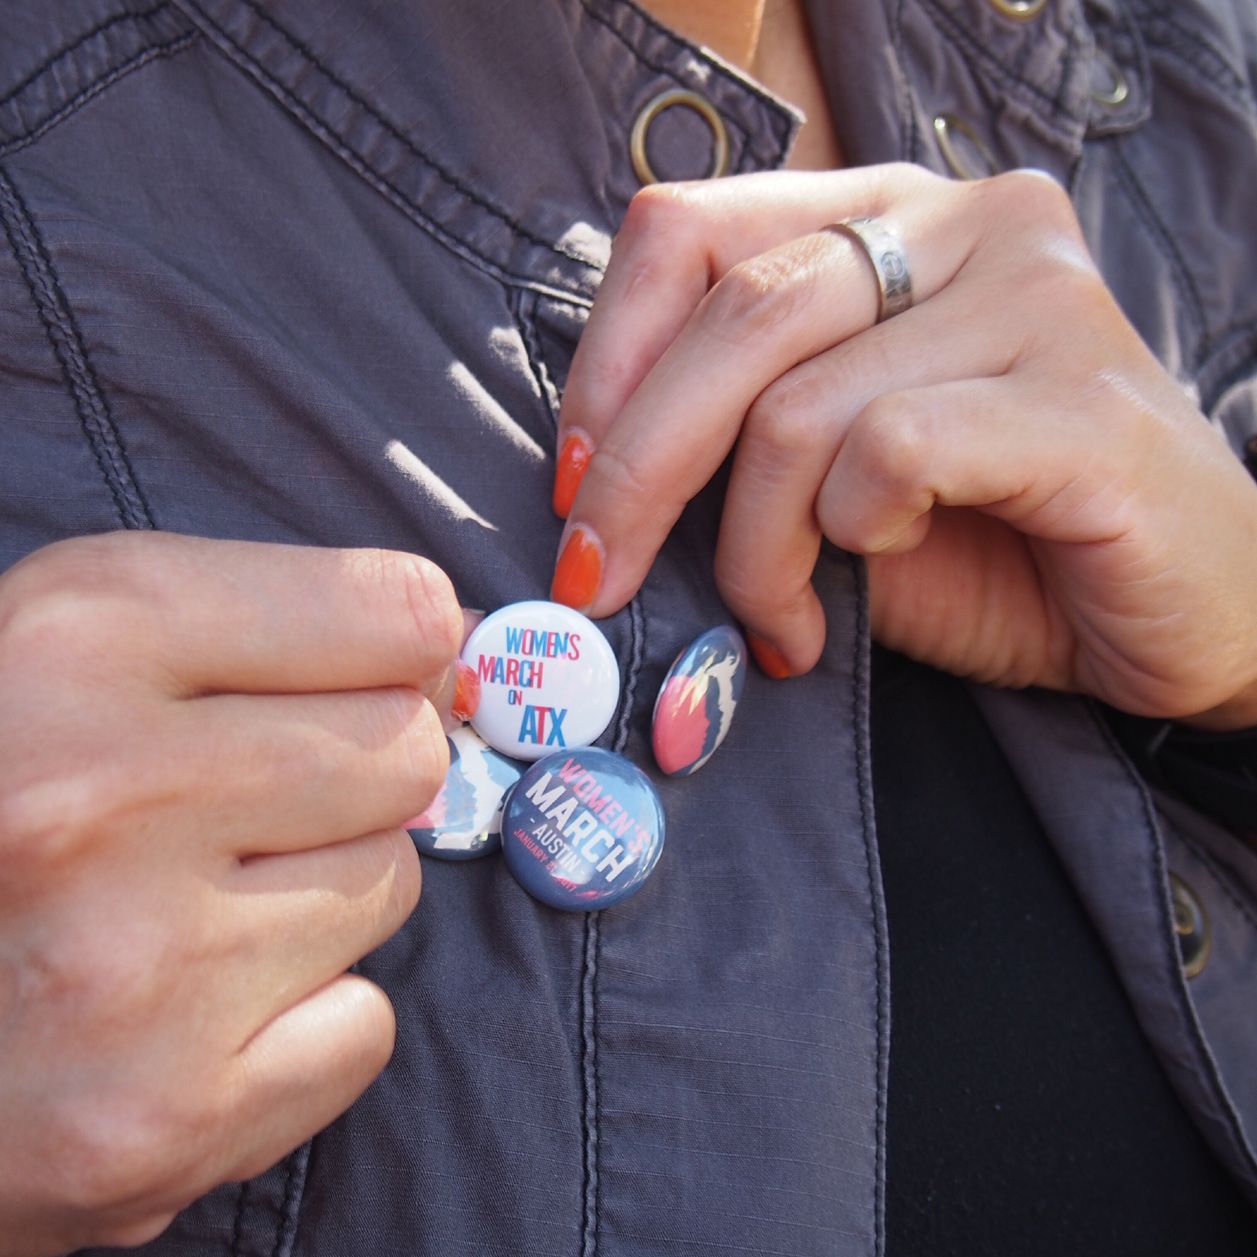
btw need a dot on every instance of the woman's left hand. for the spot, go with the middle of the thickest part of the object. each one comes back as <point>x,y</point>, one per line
<point>1039,501</point>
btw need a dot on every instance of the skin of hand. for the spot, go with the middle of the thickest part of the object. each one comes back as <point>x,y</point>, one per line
<point>1040,503</point>
<point>210,748</point>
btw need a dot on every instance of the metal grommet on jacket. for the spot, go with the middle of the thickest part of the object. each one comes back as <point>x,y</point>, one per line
<point>1110,86</point>
<point>1019,10</point>
<point>1191,927</point>
<point>678,98</point>
<point>955,136</point>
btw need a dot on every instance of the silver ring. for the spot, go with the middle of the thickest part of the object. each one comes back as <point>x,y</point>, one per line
<point>884,250</point>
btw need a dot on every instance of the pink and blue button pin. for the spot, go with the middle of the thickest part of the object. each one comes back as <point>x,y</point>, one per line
<point>696,702</point>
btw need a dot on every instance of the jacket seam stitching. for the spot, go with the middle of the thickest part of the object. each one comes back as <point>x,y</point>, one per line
<point>910,148</point>
<point>599,936</point>
<point>66,339</point>
<point>525,322</point>
<point>88,35</point>
<point>294,1185</point>
<point>237,1226</point>
<point>1234,341</point>
<point>591,960</point>
<point>93,89</point>
<point>1231,359</point>
<point>1208,1074</point>
<point>976,52</point>
<point>1183,280</point>
<point>384,186</point>
<point>589,1084</point>
<point>1244,330</point>
<point>1073,43</point>
<point>1200,55</point>
<point>638,632</point>
<point>392,129</point>
<point>283,1205</point>
<point>859,727</point>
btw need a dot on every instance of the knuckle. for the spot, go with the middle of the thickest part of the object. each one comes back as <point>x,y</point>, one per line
<point>101,973</point>
<point>1081,288</point>
<point>1033,216</point>
<point>910,174</point>
<point>406,877</point>
<point>1073,299</point>
<point>791,418</point>
<point>1028,196</point>
<point>367,1021</point>
<point>893,443</point>
<point>381,882</point>
<point>114,566</point>
<point>47,819</point>
<point>660,239</point>
<point>744,589</point>
<point>434,604</point>
<point>32,824</point>
<point>596,377</point>
<point>415,726</point>
<point>418,596</point>
<point>626,486</point>
<point>756,297</point>
<point>62,606</point>
<point>763,592</point>
<point>657,214</point>
<point>378,1026</point>
<point>119,1156</point>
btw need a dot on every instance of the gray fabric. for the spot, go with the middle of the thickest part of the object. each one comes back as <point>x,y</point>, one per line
<point>314,272</point>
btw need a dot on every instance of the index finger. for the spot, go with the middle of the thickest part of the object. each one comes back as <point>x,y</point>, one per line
<point>211,616</point>
<point>675,242</point>
<point>763,316</point>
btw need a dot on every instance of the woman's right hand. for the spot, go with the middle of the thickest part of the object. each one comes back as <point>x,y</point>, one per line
<point>209,749</point>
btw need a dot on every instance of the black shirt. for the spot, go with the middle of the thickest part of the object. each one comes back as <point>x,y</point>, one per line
<point>1027,1112</point>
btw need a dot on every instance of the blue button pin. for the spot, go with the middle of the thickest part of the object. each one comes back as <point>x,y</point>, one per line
<point>582,830</point>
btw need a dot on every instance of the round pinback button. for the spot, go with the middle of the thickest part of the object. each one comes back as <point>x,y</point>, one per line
<point>582,831</point>
<point>548,679</point>
<point>464,821</point>
<point>697,700</point>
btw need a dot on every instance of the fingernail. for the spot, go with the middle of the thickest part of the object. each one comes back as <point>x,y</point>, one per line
<point>578,575</point>
<point>573,460</point>
<point>771,661</point>
<point>466,692</point>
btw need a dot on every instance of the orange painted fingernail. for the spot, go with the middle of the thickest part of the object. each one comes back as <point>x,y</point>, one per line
<point>578,575</point>
<point>771,661</point>
<point>466,692</point>
<point>570,471</point>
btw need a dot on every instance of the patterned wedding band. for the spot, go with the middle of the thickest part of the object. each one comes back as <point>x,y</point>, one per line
<point>884,250</point>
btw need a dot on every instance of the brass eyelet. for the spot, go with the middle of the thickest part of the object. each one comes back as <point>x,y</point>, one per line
<point>686,100</point>
<point>1019,10</point>
<point>944,125</point>
<point>1191,927</point>
<point>1118,89</point>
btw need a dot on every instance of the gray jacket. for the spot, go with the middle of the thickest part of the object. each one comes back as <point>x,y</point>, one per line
<point>313,272</point>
